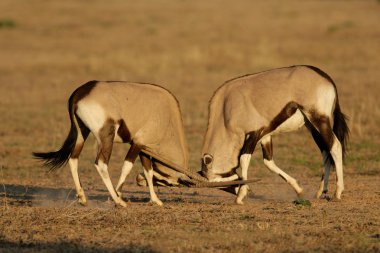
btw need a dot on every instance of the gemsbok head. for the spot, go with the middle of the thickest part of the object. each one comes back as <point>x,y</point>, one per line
<point>146,116</point>
<point>250,109</point>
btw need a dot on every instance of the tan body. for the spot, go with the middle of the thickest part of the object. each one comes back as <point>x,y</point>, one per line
<point>250,109</point>
<point>144,115</point>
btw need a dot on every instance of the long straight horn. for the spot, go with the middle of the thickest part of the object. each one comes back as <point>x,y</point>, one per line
<point>222,184</point>
<point>174,166</point>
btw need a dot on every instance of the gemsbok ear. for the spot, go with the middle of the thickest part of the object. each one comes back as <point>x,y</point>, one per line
<point>207,160</point>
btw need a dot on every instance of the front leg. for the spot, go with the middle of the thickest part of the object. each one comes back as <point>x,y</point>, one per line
<point>243,190</point>
<point>148,172</point>
<point>129,160</point>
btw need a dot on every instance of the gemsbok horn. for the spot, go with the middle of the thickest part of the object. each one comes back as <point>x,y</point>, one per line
<point>250,109</point>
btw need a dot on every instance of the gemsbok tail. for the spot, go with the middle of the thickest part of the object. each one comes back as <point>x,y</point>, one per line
<point>57,159</point>
<point>340,128</point>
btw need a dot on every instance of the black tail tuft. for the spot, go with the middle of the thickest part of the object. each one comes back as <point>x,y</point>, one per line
<point>57,159</point>
<point>340,128</point>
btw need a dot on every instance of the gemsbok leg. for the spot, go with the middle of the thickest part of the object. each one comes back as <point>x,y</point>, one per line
<point>247,151</point>
<point>83,133</point>
<point>323,188</point>
<point>243,190</point>
<point>322,124</point>
<point>105,139</point>
<point>148,172</point>
<point>327,159</point>
<point>129,160</point>
<point>267,148</point>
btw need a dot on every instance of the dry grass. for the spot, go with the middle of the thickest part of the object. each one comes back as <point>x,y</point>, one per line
<point>47,48</point>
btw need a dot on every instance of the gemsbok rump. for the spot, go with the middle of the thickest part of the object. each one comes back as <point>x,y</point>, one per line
<point>250,109</point>
<point>144,115</point>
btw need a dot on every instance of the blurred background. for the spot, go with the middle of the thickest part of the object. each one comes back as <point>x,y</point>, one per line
<point>48,48</point>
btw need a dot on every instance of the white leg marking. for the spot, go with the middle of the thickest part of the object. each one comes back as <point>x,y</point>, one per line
<point>336,153</point>
<point>149,179</point>
<point>103,171</point>
<point>73,163</point>
<point>244,164</point>
<point>273,167</point>
<point>125,170</point>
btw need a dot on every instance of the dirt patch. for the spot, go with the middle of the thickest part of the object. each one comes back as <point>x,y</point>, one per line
<point>203,220</point>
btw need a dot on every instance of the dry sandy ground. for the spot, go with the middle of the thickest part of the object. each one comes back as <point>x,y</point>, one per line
<point>49,219</point>
<point>48,48</point>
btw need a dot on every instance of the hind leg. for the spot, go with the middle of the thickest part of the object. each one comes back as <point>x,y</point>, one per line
<point>322,123</point>
<point>336,153</point>
<point>130,158</point>
<point>323,188</point>
<point>73,161</point>
<point>327,159</point>
<point>267,148</point>
<point>148,172</point>
<point>105,142</point>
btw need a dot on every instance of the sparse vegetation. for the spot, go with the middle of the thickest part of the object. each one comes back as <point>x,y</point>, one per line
<point>191,48</point>
<point>7,23</point>
<point>299,202</point>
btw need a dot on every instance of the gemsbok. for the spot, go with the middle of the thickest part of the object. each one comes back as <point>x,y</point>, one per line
<point>250,109</point>
<point>146,116</point>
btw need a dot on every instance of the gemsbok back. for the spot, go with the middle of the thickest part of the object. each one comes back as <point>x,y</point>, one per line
<point>146,116</point>
<point>250,109</point>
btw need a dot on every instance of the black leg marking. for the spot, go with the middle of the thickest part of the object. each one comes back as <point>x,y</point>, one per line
<point>106,135</point>
<point>133,152</point>
<point>288,111</point>
<point>267,149</point>
<point>85,132</point>
<point>124,132</point>
<point>322,123</point>
<point>251,142</point>
<point>146,161</point>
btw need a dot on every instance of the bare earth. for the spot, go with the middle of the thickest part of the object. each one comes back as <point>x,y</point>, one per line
<point>48,48</point>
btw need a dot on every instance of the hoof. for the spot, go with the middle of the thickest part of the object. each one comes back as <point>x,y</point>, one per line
<point>338,195</point>
<point>300,194</point>
<point>157,202</point>
<point>140,180</point>
<point>121,203</point>
<point>325,196</point>
<point>239,202</point>
<point>82,200</point>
